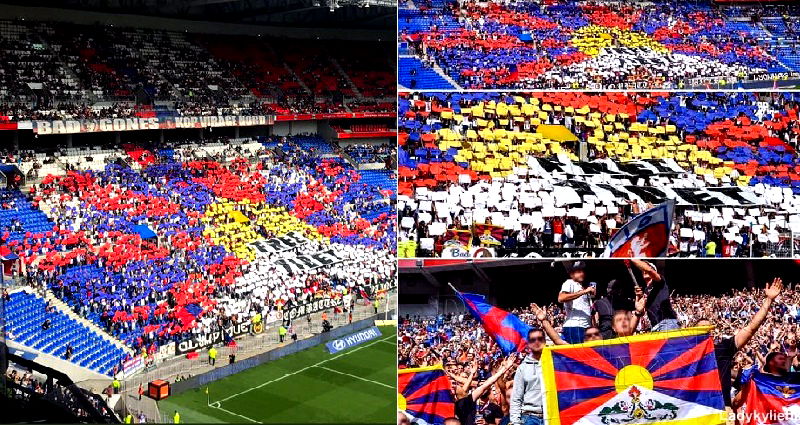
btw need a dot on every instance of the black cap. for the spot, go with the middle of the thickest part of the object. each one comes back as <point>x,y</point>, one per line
<point>578,265</point>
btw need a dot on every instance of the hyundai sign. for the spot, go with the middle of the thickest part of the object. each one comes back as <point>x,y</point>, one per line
<point>352,340</point>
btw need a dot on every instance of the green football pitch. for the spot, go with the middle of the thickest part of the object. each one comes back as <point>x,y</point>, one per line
<point>312,386</point>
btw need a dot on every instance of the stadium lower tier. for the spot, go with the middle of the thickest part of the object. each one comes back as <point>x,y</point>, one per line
<point>160,245</point>
<point>33,322</point>
<point>559,172</point>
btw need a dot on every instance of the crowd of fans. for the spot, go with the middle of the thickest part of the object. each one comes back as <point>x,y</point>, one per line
<point>43,78</point>
<point>558,173</point>
<point>79,235</point>
<point>366,153</point>
<point>756,326</point>
<point>580,45</point>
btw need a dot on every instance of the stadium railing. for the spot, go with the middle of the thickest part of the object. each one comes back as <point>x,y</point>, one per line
<point>60,393</point>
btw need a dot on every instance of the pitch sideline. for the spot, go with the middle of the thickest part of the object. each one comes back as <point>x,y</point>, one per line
<point>218,404</point>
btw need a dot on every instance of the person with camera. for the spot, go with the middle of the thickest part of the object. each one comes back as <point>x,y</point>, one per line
<point>576,295</point>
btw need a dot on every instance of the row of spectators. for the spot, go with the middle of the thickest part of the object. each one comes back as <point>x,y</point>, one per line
<point>365,153</point>
<point>554,173</point>
<point>579,45</point>
<point>755,328</point>
<point>27,386</point>
<point>44,78</point>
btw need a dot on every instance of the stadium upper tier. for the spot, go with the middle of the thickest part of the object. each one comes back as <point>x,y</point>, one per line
<point>159,245</point>
<point>57,70</point>
<point>521,161</point>
<point>577,44</point>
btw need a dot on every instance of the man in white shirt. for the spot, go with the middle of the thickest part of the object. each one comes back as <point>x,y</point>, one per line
<point>576,295</point>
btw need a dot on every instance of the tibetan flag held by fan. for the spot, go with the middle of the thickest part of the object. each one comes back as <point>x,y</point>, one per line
<point>459,237</point>
<point>424,395</point>
<point>646,235</point>
<point>660,377</point>
<point>489,234</point>
<point>509,332</point>
<point>456,243</point>
<point>770,399</point>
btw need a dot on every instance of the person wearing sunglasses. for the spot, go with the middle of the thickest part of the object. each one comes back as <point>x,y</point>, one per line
<point>526,397</point>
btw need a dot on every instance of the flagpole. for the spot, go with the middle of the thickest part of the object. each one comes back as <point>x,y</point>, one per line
<point>633,276</point>
<point>453,288</point>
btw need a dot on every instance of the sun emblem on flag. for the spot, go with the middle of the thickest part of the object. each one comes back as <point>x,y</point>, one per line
<point>401,402</point>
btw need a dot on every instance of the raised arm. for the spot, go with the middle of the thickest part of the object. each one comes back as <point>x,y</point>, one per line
<point>772,291</point>
<point>639,304</point>
<point>464,390</point>
<point>541,315</point>
<point>504,367</point>
<point>647,269</point>
<point>569,296</point>
<point>457,378</point>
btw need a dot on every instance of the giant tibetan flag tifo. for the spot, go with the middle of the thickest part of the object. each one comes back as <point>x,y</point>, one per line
<point>424,394</point>
<point>662,377</point>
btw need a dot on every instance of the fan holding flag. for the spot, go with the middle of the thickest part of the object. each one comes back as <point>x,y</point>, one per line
<point>512,335</point>
<point>771,395</point>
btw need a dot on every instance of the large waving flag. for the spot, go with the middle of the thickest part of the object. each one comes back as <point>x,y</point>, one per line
<point>646,235</point>
<point>508,331</point>
<point>661,377</point>
<point>770,399</point>
<point>424,394</point>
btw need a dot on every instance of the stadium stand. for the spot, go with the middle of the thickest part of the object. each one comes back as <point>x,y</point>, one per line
<point>111,72</point>
<point>415,75</point>
<point>155,246</point>
<point>35,324</point>
<point>555,173</point>
<point>370,153</point>
<point>585,45</point>
<point>171,181</point>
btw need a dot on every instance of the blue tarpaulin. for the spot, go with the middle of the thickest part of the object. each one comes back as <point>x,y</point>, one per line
<point>8,169</point>
<point>144,231</point>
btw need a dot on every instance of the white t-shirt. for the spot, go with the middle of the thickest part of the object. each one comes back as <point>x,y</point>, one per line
<point>579,310</point>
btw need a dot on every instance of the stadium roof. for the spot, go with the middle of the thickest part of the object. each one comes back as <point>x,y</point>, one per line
<point>356,14</point>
